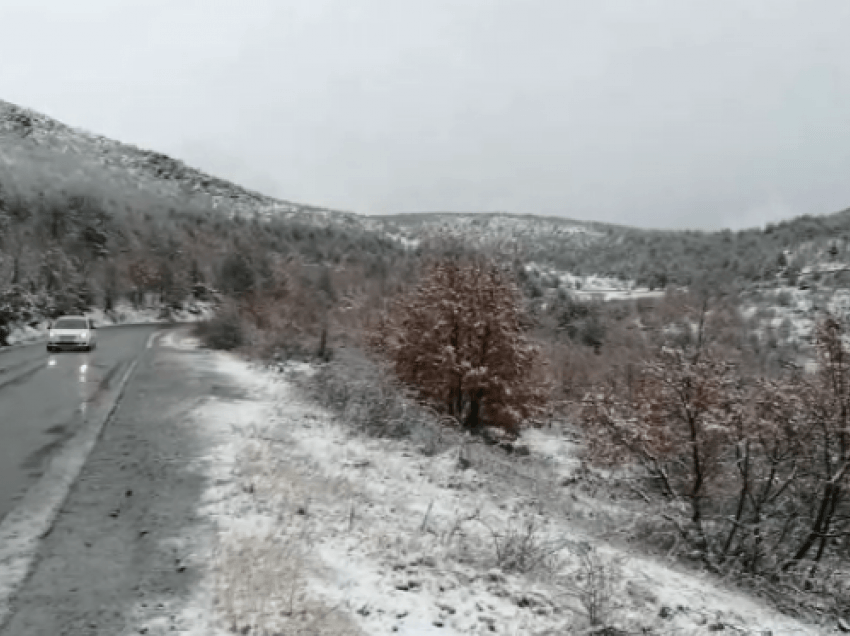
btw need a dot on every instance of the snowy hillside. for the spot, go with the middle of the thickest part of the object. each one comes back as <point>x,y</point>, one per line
<point>378,538</point>
<point>29,136</point>
<point>487,228</point>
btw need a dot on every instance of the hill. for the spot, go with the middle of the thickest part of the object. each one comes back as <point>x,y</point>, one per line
<point>86,221</point>
<point>42,145</point>
<point>39,155</point>
<point>776,254</point>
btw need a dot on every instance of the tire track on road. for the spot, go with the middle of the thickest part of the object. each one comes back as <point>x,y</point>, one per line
<point>24,527</point>
<point>32,369</point>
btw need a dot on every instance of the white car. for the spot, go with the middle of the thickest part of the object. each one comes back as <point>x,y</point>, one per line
<point>72,332</point>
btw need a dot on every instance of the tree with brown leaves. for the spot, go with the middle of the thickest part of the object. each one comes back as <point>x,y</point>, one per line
<point>457,338</point>
<point>677,421</point>
<point>760,465</point>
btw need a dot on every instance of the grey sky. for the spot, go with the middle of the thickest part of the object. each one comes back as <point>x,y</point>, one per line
<point>675,113</point>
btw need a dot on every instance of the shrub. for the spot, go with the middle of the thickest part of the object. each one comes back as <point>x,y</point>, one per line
<point>522,546</point>
<point>581,321</point>
<point>756,470</point>
<point>594,584</point>
<point>223,331</point>
<point>367,399</point>
<point>16,306</point>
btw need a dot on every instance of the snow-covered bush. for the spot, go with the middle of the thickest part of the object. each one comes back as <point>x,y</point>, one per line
<point>223,331</point>
<point>17,306</point>
<point>753,472</point>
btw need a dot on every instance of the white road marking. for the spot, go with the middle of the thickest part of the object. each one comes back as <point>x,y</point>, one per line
<point>24,526</point>
<point>151,339</point>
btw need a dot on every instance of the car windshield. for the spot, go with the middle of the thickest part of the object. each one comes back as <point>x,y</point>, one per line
<point>71,323</point>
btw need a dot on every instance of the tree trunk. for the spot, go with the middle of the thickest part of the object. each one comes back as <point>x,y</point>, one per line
<point>323,343</point>
<point>744,468</point>
<point>698,479</point>
<point>822,523</point>
<point>473,419</point>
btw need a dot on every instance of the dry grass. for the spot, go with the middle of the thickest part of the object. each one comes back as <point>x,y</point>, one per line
<point>262,578</point>
<point>261,588</point>
<point>594,583</point>
<point>370,402</point>
<point>277,485</point>
<point>520,546</point>
<point>591,587</point>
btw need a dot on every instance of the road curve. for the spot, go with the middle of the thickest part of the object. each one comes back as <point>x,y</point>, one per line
<point>46,397</point>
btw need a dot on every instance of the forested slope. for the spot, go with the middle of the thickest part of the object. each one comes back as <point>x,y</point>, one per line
<point>86,221</point>
<point>655,258</point>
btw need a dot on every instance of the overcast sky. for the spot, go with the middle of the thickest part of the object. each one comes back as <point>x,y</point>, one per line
<point>673,113</point>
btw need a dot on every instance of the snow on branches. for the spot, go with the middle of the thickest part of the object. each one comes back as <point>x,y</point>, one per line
<point>458,339</point>
<point>757,469</point>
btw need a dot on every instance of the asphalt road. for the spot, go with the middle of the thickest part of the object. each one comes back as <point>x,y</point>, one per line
<point>116,558</point>
<point>46,397</point>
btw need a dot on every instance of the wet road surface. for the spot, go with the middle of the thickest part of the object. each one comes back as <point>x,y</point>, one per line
<point>115,557</point>
<point>45,398</point>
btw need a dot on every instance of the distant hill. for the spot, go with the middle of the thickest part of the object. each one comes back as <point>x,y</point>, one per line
<point>778,253</point>
<point>88,222</point>
<point>492,227</point>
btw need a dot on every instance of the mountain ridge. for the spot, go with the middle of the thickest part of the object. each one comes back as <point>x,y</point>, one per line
<point>649,256</point>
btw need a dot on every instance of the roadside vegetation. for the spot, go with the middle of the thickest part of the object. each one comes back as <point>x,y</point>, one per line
<point>693,409</point>
<point>722,451</point>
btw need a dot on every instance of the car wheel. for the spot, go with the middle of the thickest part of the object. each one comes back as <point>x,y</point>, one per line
<point>49,349</point>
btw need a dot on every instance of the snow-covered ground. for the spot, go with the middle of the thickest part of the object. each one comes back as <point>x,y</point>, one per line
<point>594,287</point>
<point>406,242</point>
<point>126,314</point>
<point>792,313</point>
<point>320,531</point>
<point>617,294</point>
